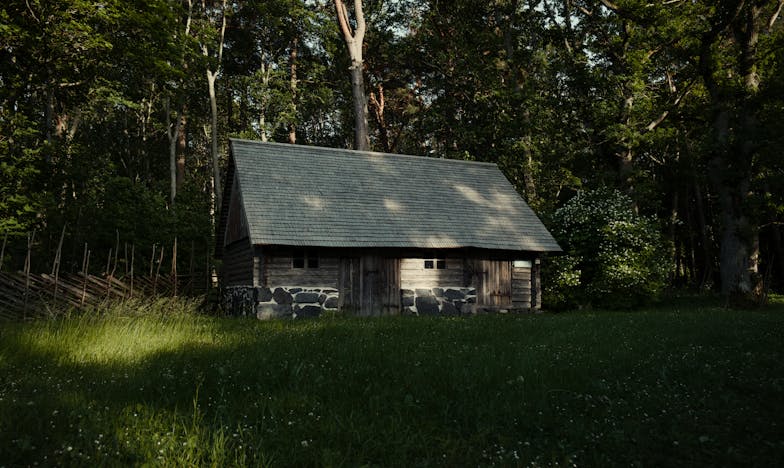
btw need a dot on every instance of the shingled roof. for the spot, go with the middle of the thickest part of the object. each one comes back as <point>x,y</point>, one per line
<point>311,196</point>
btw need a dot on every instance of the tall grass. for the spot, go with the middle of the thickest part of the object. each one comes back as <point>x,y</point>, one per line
<point>160,384</point>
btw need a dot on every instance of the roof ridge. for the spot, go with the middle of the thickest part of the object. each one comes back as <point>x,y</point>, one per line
<point>364,153</point>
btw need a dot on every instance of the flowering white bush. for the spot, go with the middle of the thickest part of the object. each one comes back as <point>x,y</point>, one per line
<point>614,257</point>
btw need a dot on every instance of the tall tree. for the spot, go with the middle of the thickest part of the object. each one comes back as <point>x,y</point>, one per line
<point>354,38</point>
<point>732,43</point>
<point>216,19</point>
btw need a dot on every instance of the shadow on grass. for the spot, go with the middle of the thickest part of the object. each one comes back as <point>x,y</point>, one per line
<point>569,388</point>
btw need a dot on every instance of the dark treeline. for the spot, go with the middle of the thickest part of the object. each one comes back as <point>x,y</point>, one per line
<point>115,115</point>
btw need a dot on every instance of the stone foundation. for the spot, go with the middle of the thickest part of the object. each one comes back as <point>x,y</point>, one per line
<point>438,301</point>
<point>302,302</point>
<point>279,302</point>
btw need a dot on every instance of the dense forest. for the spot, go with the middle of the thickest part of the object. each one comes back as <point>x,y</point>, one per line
<point>115,115</point>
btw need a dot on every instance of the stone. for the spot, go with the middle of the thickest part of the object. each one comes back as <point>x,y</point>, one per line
<point>308,311</point>
<point>447,308</point>
<point>295,290</point>
<point>331,302</point>
<point>410,311</point>
<point>329,291</point>
<point>423,292</point>
<point>306,297</point>
<point>322,298</point>
<point>406,292</point>
<point>453,294</point>
<point>262,294</point>
<point>472,292</point>
<point>271,310</point>
<point>407,301</point>
<point>459,305</point>
<point>281,296</point>
<point>468,309</point>
<point>471,300</point>
<point>427,305</point>
<point>438,292</point>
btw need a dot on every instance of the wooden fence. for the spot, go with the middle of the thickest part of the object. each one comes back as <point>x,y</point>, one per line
<point>27,295</point>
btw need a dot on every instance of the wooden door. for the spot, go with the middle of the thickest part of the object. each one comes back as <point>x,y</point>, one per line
<point>348,285</point>
<point>494,288</point>
<point>369,285</point>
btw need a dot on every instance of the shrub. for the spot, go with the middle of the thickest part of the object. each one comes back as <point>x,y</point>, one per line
<point>613,256</point>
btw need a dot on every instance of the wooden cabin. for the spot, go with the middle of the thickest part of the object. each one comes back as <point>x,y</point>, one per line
<point>306,230</point>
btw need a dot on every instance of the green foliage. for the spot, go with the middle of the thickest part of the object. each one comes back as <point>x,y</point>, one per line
<point>614,257</point>
<point>628,94</point>
<point>158,384</point>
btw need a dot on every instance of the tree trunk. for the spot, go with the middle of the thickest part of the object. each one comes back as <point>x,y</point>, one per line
<point>378,103</point>
<point>211,76</point>
<point>705,240</point>
<point>735,126</point>
<point>361,135</point>
<point>293,87</point>
<point>172,132</point>
<point>181,137</point>
<point>354,44</point>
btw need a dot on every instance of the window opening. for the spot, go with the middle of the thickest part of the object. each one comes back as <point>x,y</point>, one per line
<point>302,258</point>
<point>312,259</point>
<point>298,260</point>
<point>437,261</point>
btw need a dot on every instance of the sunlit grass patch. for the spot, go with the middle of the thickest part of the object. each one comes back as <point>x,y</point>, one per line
<point>673,385</point>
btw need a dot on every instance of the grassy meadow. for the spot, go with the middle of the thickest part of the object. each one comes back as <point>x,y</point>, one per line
<point>688,384</point>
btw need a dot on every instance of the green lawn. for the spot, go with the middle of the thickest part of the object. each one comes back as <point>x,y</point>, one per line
<point>680,385</point>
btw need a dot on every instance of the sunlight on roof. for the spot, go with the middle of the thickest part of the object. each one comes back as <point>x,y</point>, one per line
<point>393,206</point>
<point>472,195</point>
<point>313,202</point>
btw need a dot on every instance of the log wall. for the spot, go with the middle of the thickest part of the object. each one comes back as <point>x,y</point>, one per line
<point>279,271</point>
<point>413,273</point>
<point>521,287</point>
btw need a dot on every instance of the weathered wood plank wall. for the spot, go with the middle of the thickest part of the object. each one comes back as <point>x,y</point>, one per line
<point>521,287</point>
<point>413,274</point>
<point>281,272</point>
<point>494,278</point>
<point>238,264</point>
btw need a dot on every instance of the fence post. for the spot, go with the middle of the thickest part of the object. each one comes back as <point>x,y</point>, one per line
<point>190,271</point>
<point>28,261</point>
<point>174,265</point>
<point>2,252</point>
<point>133,251</point>
<point>157,272</point>
<point>56,265</point>
<point>152,259</point>
<point>85,267</point>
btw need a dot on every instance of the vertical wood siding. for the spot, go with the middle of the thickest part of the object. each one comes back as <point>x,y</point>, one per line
<point>236,226</point>
<point>348,285</point>
<point>238,264</point>
<point>494,278</point>
<point>369,285</point>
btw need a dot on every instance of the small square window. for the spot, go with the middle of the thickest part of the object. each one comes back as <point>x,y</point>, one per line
<point>301,259</point>
<point>298,260</point>
<point>434,261</point>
